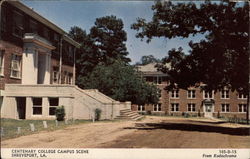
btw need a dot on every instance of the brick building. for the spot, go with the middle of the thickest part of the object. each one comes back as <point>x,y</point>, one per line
<point>192,101</point>
<point>37,70</point>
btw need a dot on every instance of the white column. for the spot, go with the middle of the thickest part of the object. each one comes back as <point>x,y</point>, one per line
<point>45,107</point>
<point>29,65</point>
<point>29,109</point>
<point>47,68</point>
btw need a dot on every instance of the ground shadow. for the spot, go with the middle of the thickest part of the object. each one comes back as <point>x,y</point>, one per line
<point>202,127</point>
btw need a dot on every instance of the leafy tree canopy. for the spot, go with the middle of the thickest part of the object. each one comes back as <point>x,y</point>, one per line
<point>218,60</point>
<point>109,36</point>
<point>147,59</point>
<point>121,82</point>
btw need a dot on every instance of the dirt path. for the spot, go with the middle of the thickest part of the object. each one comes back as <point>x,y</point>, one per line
<point>152,132</point>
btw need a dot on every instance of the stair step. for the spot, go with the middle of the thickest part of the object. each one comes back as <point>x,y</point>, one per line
<point>125,110</point>
<point>127,114</point>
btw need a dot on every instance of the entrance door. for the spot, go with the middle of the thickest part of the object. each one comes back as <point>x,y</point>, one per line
<point>208,110</point>
<point>21,107</point>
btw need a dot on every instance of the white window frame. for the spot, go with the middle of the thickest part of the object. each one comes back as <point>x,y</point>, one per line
<point>241,96</point>
<point>55,74</point>
<point>175,94</point>
<point>191,106</point>
<point>37,106</point>
<point>204,97</point>
<point>158,107</point>
<point>223,94</point>
<point>241,107</point>
<point>2,62</point>
<point>175,106</point>
<point>70,79</point>
<point>226,107</point>
<point>191,94</point>
<point>16,62</point>
<point>53,106</point>
<point>139,108</point>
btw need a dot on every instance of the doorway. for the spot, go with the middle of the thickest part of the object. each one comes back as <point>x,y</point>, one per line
<point>21,107</point>
<point>208,110</point>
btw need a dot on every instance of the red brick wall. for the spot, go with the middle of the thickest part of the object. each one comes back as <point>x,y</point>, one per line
<point>9,49</point>
<point>184,101</point>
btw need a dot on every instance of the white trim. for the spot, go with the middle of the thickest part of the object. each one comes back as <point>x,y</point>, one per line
<point>209,97</point>
<point>2,67</point>
<point>139,108</point>
<point>225,108</point>
<point>193,105</point>
<point>223,93</point>
<point>191,94</point>
<point>242,95</point>
<point>157,107</point>
<point>175,106</point>
<point>174,94</point>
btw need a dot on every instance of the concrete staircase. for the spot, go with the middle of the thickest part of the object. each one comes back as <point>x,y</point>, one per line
<point>127,114</point>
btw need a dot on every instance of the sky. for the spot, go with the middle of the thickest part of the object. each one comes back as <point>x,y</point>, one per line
<point>66,14</point>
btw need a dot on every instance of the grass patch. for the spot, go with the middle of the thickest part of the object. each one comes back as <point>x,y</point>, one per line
<point>10,126</point>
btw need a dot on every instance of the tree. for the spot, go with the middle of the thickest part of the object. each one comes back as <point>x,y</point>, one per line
<point>109,37</point>
<point>88,56</point>
<point>121,82</point>
<point>218,60</point>
<point>147,59</point>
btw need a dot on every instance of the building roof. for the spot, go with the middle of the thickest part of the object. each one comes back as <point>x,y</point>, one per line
<point>43,20</point>
<point>150,69</point>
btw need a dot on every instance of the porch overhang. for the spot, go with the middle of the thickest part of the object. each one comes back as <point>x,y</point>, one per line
<point>208,101</point>
<point>34,38</point>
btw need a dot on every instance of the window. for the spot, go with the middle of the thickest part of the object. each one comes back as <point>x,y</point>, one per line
<point>53,104</point>
<point>4,19</point>
<point>159,93</point>
<point>225,94</point>
<point>175,107</point>
<point>46,33</point>
<point>242,108</point>
<point>157,80</point>
<point>225,107</point>
<point>191,94</point>
<point>242,96</point>
<point>33,26</point>
<point>18,24</point>
<point>157,107</point>
<point>175,94</point>
<point>191,107</point>
<point>70,78</point>
<point>55,75</point>
<point>141,108</point>
<point>15,66</point>
<point>1,62</point>
<point>71,53</point>
<point>208,95</point>
<point>56,37</point>
<point>37,106</point>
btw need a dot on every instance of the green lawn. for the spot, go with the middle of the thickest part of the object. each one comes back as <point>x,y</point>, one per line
<point>10,126</point>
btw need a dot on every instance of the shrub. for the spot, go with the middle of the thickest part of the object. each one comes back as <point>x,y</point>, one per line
<point>183,114</point>
<point>60,113</point>
<point>186,115</point>
<point>149,112</point>
<point>98,113</point>
<point>199,113</point>
<point>218,114</point>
